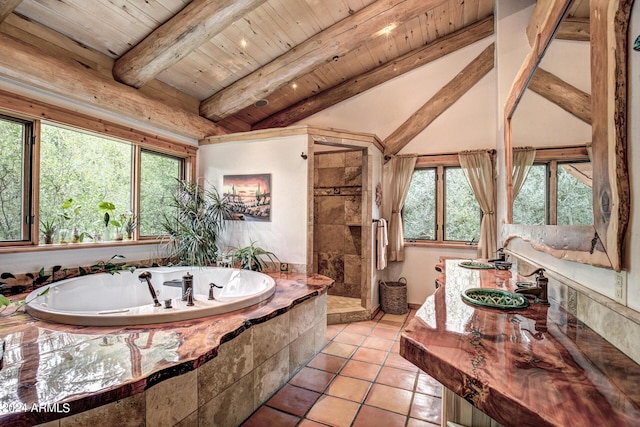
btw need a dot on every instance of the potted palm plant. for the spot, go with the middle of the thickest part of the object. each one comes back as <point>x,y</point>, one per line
<point>192,233</point>
<point>250,257</point>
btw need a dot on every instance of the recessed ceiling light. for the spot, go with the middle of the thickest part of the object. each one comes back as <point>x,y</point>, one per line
<point>243,43</point>
<point>387,30</point>
<point>261,103</point>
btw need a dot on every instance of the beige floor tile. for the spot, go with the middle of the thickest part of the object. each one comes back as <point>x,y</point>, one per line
<point>348,388</point>
<point>334,411</point>
<point>339,349</point>
<point>389,398</point>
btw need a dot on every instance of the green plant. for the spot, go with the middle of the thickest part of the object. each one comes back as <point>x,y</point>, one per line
<point>48,229</point>
<point>250,257</point>
<point>192,234</point>
<point>130,223</point>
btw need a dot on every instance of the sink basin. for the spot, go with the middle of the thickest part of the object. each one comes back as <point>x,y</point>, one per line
<point>495,298</point>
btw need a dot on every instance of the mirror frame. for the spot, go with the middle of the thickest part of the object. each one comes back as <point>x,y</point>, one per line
<point>601,244</point>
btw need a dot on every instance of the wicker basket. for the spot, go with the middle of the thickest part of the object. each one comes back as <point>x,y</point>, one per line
<point>393,296</point>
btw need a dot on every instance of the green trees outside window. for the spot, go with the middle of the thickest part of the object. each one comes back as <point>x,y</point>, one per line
<point>460,211</point>
<point>86,185</point>
<point>573,195</point>
<point>15,150</point>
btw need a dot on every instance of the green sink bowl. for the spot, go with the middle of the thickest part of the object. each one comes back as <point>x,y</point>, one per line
<point>495,298</point>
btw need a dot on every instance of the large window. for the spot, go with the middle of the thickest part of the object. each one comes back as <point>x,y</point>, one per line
<point>441,207</point>
<point>556,193</point>
<point>80,186</point>
<point>15,185</point>
<point>78,173</point>
<point>157,186</point>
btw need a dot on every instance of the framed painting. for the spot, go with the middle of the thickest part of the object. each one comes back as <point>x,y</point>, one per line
<point>249,196</point>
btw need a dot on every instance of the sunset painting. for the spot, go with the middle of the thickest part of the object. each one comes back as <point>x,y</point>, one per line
<point>249,196</point>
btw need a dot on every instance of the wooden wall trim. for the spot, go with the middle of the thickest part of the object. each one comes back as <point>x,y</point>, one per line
<point>40,110</point>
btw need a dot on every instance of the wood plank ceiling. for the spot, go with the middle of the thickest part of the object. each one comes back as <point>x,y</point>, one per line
<point>230,54</point>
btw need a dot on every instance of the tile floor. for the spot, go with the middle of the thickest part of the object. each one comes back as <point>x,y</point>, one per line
<point>359,380</point>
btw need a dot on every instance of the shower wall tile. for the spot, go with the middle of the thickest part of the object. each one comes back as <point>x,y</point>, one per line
<point>330,160</point>
<point>353,158</point>
<point>352,270</point>
<point>330,210</point>
<point>331,264</point>
<point>353,209</point>
<point>329,238</point>
<point>330,177</point>
<point>353,176</point>
<point>353,241</point>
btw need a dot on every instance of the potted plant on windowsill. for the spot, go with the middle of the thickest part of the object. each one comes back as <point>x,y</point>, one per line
<point>48,229</point>
<point>130,223</point>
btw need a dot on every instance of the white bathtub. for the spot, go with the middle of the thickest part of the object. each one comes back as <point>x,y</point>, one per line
<point>122,299</point>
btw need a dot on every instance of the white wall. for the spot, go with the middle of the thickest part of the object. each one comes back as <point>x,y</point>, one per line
<point>384,108</point>
<point>286,233</point>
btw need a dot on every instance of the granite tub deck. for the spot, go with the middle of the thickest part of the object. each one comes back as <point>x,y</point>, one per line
<point>211,371</point>
<point>538,366</point>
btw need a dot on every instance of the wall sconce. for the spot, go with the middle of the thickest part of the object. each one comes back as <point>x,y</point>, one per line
<point>304,156</point>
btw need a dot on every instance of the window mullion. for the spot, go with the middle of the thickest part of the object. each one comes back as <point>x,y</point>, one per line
<point>553,192</point>
<point>440,204</point>
<point>135,187</point>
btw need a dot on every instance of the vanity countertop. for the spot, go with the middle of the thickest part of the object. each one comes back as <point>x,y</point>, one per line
<point>53,370</point>
<point>538,366</point>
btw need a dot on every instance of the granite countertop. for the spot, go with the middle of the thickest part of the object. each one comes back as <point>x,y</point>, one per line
<point>49,363</point>
<point>538,366</point>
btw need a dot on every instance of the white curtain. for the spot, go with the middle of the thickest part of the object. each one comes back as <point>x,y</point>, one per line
<point>478,168</point>
<point>523,158</point>
<point>398,172</point>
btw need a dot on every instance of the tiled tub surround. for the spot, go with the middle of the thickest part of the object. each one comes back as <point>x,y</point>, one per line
<point>211,371</point>
<point>534,367</point>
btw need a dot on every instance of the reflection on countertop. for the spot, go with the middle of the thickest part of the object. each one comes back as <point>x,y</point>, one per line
<point>48,364</point>
<point>538,366</point>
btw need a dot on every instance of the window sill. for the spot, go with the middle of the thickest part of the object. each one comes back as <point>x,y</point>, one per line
<point>74,246</point>
<point>446,245</point>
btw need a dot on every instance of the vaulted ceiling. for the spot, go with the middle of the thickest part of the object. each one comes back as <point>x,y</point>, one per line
<point>259,63</point>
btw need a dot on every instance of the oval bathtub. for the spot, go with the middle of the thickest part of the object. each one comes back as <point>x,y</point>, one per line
<point>122,299</point>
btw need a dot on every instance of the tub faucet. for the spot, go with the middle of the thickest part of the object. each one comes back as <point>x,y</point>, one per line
<point>540,290</point>
<point>211,286</point>
<point>145,275</point>
<point>189,295</point>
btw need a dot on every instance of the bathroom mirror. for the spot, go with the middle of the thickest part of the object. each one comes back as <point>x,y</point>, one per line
<point>600,242</point>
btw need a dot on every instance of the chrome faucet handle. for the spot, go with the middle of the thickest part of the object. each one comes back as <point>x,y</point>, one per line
<point>189,295</point>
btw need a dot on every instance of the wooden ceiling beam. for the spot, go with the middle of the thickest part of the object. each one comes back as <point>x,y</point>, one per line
<point>443,99</point>
<point>561,93</point>
<point>327,45</point>
<point>411,60</point>
<point>198,22</point>
<point>28,65</point>
<point>7,7</point>
<point>576,29</point>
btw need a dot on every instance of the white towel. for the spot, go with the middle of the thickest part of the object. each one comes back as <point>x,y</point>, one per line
<point>382,241</point>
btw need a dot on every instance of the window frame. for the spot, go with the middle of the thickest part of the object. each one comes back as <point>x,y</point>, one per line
<point>35,112</point>
<point>551,157</point>
<point>440,162</point>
